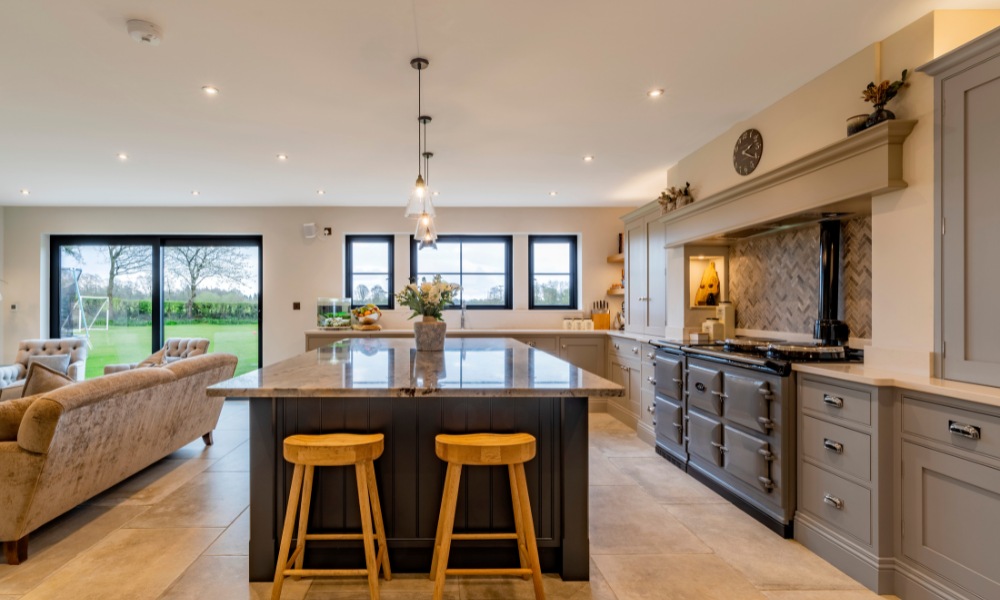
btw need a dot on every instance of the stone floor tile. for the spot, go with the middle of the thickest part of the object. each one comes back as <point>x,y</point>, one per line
<point>226,440</point>
<point>763,558</point>
<point>152,484</point>
<point>129,564</point>
<point>213,577</point>
<point>674,577</point>
<point>603,472</point>
<point>626,520</point>
<point>290,590</point>
<point>59,541</point>
<point>826,595</point>
<point>237,460</point>
<point>604,421</point>
<point>238,420</point>
<point>208,500</point>
<point>664,482</point>
<point>620,443</point>
<point>235,541</point>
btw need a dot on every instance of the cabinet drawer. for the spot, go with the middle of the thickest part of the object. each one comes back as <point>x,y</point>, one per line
<point>942,423</point>
<point>545,344</point>
<point>837,447</point>
<point>647,410</point>
<point>625,348</point>
<point>648,374</point>
<point>837,402</point>
<point>647,352</point>
<point>854,515</point>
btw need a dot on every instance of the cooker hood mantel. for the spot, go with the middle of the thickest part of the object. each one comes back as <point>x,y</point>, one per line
<point>836,181</point>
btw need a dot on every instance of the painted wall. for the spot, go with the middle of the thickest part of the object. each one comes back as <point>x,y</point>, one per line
<point>301,270</point>
<point>902,222</point>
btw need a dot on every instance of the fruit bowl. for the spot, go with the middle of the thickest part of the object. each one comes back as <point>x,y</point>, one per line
<point>366,315</point>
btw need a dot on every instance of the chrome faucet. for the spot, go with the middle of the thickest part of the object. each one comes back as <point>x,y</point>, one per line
<point>464,312</point>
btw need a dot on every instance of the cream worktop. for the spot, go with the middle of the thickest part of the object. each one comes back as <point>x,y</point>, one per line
<point>485,333</point>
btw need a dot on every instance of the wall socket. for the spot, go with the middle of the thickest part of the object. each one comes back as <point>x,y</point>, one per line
<point>14,307</point>
<point>296,306</point>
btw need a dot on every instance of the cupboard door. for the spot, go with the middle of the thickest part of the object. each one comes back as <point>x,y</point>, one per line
<point>705,437</point>
<point>950,525</point>
<point>634,372</point>
<point>545,344</point>
<point>969,135</point>
<point>635,277</point>
<point>585,353</point>
<point>618,375</point>
<point>669,421</point>
<point>656,277</point>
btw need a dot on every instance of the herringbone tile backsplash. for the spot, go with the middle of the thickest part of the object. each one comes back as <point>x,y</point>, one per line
<point>774,280</point>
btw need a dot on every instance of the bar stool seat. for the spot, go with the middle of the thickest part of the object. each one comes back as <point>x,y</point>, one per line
<point>307,452</point>
<point>487,449</point>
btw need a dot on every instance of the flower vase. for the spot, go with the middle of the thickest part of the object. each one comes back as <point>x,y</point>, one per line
<point>880,114</point>
<point>429,335</point>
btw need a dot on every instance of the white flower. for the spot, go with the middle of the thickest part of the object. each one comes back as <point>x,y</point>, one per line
<point>413,287</point>
<point>426,287</point>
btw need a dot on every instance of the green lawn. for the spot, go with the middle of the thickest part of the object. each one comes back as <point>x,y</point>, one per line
<point>133,344</point>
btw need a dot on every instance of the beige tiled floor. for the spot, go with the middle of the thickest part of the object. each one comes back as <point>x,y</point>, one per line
<point>179,530</point>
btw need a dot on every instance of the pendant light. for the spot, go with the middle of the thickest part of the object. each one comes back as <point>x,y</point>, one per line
<point>415,206</point>
<point>426,234</point>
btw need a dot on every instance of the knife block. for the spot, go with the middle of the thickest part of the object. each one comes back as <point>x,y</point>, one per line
<point>601,321</point>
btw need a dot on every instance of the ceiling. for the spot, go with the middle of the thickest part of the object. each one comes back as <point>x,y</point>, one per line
<point>519,91</point>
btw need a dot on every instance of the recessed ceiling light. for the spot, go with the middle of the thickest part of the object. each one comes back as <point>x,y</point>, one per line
<point>655,93</point>
<point>320,192</point>
<point>194,192</point>
<point>552,193</point>
<point>282,157</point>
<point>123,156</point>
<point>210,90</point>
<point>25,192</point>
<point>588,158</point>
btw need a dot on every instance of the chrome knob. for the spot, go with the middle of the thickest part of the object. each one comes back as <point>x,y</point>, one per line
<point>617,347</point>
<point>564,346</point>
<point>650,354</point>
<point>635,351</point>
<point>531,344</point>
<point>650,408</point>
<point>651,380</point>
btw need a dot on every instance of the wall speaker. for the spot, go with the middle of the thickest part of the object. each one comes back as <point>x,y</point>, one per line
<point>309,230</point>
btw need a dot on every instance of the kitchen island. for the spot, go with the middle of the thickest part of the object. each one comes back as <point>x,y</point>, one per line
<point>385,386</point>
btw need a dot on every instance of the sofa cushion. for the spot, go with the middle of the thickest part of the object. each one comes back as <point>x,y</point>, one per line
<point>56,362</point>
<point>11,413</point>
<point>42,379</point>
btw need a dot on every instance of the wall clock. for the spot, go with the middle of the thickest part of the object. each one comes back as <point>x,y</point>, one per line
<point>748,150</point>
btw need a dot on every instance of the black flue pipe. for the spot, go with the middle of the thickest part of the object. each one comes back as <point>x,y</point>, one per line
<point>829,330</point>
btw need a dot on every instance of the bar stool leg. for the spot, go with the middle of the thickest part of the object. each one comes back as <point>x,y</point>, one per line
<point>383,548</point>
<point>441,519</point>
<point>286,534</point>
<point>300,540</point>
<point>529,530</point>
<point>366,528</point>
<point>522,548</point>
<point>443,544</point>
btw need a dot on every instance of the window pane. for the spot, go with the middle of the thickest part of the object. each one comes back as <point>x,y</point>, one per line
<point>483,290</point>
<point>551,290</point>
<point>443,260</point>
<point>211,292</point>
<point>551,258</point>
<point>370,257</point>
<point>105,294</point>
<point>370,289</point>
<point>484,257</point>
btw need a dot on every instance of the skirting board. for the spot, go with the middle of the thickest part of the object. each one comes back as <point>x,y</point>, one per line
<point>646,434</point>
<point>617,412</point>
<point>597,405</point>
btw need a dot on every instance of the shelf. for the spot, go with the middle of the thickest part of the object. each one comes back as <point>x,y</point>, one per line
<point>616,292</point>
<point>616,258</point>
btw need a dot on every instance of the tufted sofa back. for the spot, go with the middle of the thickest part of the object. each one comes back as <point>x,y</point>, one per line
<point>178,348</point>
<point>75,347</point>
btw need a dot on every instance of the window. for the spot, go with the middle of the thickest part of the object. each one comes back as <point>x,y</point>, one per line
<point>127,294</point>
<point>480,264</point>
<point>369,270</point>
<point>552,272</point>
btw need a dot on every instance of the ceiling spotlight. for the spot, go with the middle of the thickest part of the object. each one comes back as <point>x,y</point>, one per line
<point>123,156</point>
<point>588,158</point>
<point>210,90</point>
<point>194,192</point>
<point>25,192</point>
<point>282,157</point>
<point>655,93</point>
<point>552,193</point>
<point>320,192</point>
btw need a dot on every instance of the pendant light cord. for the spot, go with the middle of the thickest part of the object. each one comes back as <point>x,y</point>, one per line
<point>420,72</point>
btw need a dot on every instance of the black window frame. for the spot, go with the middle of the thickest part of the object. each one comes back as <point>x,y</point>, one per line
<point>158,243</point>
<point>507,240</point>
<point>349,272</point>
<point>574,284</point>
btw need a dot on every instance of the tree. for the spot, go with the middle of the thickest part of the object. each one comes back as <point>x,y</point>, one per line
<point>126,260</point>
<point>379,295</point>
<point>361,294</point>
<point>191,266</point>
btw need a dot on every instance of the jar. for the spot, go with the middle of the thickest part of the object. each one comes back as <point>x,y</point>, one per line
<point>588,324</point>
<point>567,323</point>
<point>715,330</point>
<point>577,324</point>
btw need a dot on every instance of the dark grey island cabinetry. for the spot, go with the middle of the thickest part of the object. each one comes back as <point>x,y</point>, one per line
<point>368,385</point>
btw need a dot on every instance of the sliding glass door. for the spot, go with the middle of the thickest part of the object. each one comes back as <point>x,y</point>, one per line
<point>126,295</point>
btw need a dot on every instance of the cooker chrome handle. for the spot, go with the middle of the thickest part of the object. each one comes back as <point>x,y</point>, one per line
<point>833,446</point>
<point>720,447</point>
<point>970,431</point>
<point>834,501</point>
<point>767,454</point>
<point>765,423</point>
<point>675,380</point>
<point>833,401</point>
<point>766,482</point>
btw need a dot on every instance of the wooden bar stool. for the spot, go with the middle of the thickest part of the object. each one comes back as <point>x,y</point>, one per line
<point>489,449</point>
<point>307,452</point>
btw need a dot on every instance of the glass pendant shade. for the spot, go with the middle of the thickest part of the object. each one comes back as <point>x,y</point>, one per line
<point>426,234</point>
<point>418,197</point>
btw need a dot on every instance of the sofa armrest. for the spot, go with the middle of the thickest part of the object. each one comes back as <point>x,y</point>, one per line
<point>19,472</point>
<point>11,373</point>
<point>109,369</point>
<point>77,371</point>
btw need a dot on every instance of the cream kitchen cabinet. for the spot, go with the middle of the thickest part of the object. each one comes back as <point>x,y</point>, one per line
<point>586,353</point>
<point>645,275</point>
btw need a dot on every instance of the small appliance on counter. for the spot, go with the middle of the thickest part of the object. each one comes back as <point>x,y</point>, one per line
<point>726,314</point>
<point>333,314</point>
<point>714,329</point>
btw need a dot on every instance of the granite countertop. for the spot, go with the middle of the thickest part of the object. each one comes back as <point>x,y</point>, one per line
<point>502,332</point>
<point>391,367</point>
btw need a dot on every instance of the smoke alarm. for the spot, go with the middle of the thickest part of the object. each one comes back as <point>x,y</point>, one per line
<point>145,32</point>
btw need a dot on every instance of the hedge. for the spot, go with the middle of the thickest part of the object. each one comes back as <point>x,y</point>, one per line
<point>139,312</point>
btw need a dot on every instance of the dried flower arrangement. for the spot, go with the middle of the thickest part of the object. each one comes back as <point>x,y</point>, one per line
<point>673,198</point>
<point>880,94</point>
